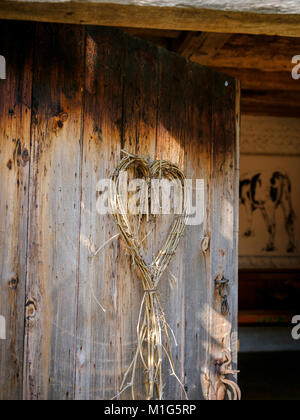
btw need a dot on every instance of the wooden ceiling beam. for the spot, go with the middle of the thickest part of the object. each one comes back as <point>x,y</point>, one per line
<point>233,16</point>
<point>265,53</point>
<point>252,79</point>
<point>152,33</point>
<point>201,45</point>
<point>162,38</point>
<point>261,63</point>
<point>263,92</point>
<point>282,104</point>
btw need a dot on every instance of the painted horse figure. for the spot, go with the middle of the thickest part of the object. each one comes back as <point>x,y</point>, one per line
<point>267,193</point>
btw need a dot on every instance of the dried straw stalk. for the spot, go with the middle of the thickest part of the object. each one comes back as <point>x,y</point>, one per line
<point>152,321</point>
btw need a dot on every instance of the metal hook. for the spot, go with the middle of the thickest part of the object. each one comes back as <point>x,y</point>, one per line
<point>222,285</point>
<point>224,384</point>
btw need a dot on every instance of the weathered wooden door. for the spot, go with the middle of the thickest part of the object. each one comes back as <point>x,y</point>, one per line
<point>74,97</point>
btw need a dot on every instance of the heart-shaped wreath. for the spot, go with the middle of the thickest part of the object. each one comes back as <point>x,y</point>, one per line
<point>152,321</point>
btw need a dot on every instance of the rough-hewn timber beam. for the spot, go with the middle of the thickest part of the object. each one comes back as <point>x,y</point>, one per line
<point>274,103</point>
<point>252,79</point>
<point>202,46</point>
<point>242,51</point>
<point>274,17</point>
<point>260,62</point>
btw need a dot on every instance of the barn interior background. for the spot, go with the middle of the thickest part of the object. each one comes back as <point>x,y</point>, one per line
<point>256,43</point>
<point>270,148</point>
<point>269,258</point>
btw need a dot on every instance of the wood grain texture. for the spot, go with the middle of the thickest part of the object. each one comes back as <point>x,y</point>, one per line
<point>156,118</point>
<point>141,80</point>
<point>270,103</point>
<point>236,152</point>
<point>15,116</point>
<point>98,352</point>
<point>204,45</point>
<point>97,91</point>
<point>224,176</point>
<point>264,53</point>
<point>280,20</point>
<point>271,6</point>
<point>257,80</point>
<point>159,37</point>
<point>198,270</point>
<point>54,212</point>
<point>170,145</point>
<point>259,62</point>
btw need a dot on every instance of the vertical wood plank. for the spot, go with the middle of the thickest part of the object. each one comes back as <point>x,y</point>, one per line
<point>54,212</point>
<point>98,339</point>
<point>172,134</point>
<point>224,178</point>
<point>15,115</point>
<point>139,137</point>
<point>198,268</point>
<point>236,224</point>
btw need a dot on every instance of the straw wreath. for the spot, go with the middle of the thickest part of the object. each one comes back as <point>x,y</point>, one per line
<point>152,322</point>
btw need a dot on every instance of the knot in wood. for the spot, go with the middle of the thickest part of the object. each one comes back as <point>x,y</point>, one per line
<point>31,308</point>
<point>205,244</point>
<point>13,283</point>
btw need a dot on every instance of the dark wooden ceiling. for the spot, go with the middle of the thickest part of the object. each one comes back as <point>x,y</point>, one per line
<point>262,63</point>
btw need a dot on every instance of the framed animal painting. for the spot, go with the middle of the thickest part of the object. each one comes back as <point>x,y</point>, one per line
<point>269,211</point>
